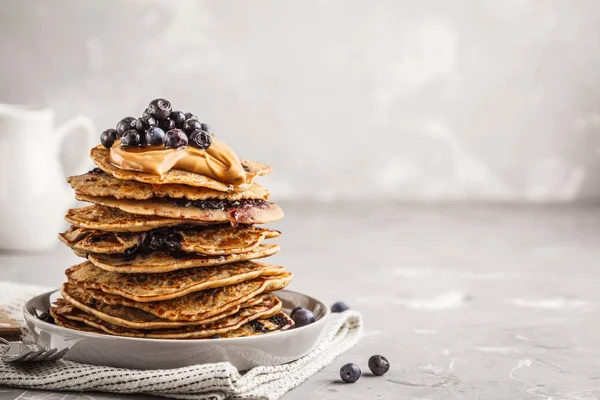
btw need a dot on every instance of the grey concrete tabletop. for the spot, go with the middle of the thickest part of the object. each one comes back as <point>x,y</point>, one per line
<point>467,302</point>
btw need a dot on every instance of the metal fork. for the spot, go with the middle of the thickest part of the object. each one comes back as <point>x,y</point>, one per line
<point>16,355</point>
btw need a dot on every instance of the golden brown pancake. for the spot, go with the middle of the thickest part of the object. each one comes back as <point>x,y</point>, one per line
<point>212,240</point>
<point>99,183</point>
<point>114,220</point>
<point>67,316</point>
<point>170,285</point>
<point>248,212</point>
<point>201,305</point>
<point>130,317</point>
<point>264,310</point>
<point>160,262</point>
<point>101,158</point>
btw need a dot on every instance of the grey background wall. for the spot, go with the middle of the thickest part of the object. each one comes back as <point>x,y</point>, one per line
<point>347,99</point>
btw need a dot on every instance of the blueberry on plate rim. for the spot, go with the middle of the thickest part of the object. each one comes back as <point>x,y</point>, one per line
<point>294,310</point>
<point>350,373</point>
<point>303,317</point>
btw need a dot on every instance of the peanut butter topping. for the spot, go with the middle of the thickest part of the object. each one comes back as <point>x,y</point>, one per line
<point>218,161</point>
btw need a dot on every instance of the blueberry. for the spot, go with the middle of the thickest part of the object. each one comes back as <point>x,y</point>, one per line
<point>294,310</point>
<point>124,125</point>
<point>190,116</point>
<point>166,124</point>
<point>155,136</point>
<point>131,138</point>
<point>303,317</point>
<point>176,139</point>
<point>350,373</point>
<point>340,306</point>
<point>144,123</point>
<point>379,365</point>
<point>178,117</point>
<point>191,125</point>
<point>159,108</point>
<point>207,128</point>
<point>108,137</point>
<point>200,139</point>
<point>46,317</point>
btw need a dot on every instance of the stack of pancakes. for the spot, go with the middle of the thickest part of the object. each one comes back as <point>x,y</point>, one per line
<point>171,257</point>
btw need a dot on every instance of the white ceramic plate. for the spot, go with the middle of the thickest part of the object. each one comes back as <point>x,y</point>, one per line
<point>138,353</point>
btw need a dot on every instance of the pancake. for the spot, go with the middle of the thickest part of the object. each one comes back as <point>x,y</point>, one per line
<point>214,240</point>
<point>238,212</point>
<point>170,285</point>
<point>263,310</point>
<point>158,262</point>
<point>114,220</point>
<point>99,183</point>
<point>130,317</point>
<point>101,157</point>
<point>67,316</point>
<point>201,305</point>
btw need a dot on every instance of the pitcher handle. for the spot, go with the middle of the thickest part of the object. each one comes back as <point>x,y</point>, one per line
<point>86,125</point>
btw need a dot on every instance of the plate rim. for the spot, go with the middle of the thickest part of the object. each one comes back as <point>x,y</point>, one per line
<point>92,335</point>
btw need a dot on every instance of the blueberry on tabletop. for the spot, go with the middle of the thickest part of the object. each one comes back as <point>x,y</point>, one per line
<point>191,125</point>
<point>155,136</point>
<point>350,373</point>
<point>159,108</point>
<point>303,317</point>
<point>379,365</point>
<point>166,124</point>
<point>294,310</point>
<point>340,306</point>
<point>190,116</point>
<point>176,139</point>
<point>142,124</point>
<point>131,138</point>
<point>200,139</point>
<point>124,125</point>
<point>178,117</point>
<point>108,137</point>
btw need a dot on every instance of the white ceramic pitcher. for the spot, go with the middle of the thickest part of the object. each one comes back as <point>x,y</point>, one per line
<point>33,192</point>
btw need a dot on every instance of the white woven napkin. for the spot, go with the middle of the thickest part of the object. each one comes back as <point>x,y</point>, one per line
<point>209,381</point>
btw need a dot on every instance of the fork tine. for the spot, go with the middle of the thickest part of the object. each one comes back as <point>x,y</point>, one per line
<point>58,356</point>
<point>45,355</point>
<point>33,356</point>
<point>19,358</point>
